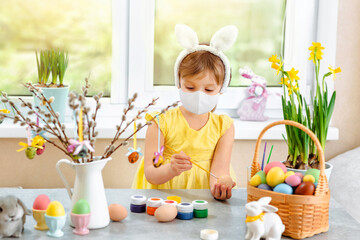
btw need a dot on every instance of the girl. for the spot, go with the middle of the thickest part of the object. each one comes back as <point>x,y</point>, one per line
<point>193,131</point>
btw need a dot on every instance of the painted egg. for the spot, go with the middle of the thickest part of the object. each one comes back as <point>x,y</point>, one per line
<point>41,202</point>
<point>226,180</point>
<point>305,188</point>
<point>265,187</point>
<point>309,178</point>
<point>40,151</point>
<point>166,213</point>
<point>262,176</point>
<point>289,173</point>
<point>133,157</point>
<point>314,172</point>
<point>299,175</point>
<point>258,178</point>
<point>255,180</point>
<point>283,188</point>
<point>81,207</point>
<point>117,212</point>
<point>275,164</point>
<point>30,152</point>
<point>275,176</point>
<point>293,180</point>
<point>55,209</point>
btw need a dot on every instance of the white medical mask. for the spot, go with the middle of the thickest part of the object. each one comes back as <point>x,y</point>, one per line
<point>198,102</point>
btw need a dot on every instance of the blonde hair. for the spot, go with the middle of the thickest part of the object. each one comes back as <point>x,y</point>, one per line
<point>202,61</point>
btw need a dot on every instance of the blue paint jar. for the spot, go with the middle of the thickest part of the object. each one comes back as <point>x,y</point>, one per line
<point>138,204</point>
<point>185,211</point>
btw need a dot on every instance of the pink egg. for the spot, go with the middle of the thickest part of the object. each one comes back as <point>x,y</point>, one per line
<point>41,202</point>
<point>299,175</point>
<point>293,180</point>
<point>275,164</point>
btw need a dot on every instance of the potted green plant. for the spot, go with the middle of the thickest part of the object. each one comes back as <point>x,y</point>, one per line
<point>54,62</point>
<point>301,150</point>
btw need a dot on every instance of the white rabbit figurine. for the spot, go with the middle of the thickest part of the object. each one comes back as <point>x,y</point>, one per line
<point>12,216</point>
<point>266,225</point>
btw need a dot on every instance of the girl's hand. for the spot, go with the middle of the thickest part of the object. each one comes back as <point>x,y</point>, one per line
<point>180,163</point>
<point>221,192</point>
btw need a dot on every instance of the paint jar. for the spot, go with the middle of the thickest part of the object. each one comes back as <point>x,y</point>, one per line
<point>200,208</point>
<point>174,198</point>
<point>153,204</point>
<point>185,211</point>
<point>169,202</point>
<point>138,204</point>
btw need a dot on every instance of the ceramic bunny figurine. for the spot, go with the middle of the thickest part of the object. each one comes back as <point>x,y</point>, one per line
<point>266,225</point>
<point>12,216</point>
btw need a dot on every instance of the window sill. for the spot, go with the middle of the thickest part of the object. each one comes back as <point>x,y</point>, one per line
<point>244,130</point>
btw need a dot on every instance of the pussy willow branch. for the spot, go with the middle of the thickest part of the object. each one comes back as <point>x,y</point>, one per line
<point>41,118</point>
<point>123,119</point>
<point>138,129</point>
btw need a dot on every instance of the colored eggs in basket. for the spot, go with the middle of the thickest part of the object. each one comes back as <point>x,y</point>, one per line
<point>275,176</point>
<point>258,178</point>
<point>293,180</point>
<point>314,172</point>
<point>289,173</point>
<point>55,209</point>
<point>275,164</point>
<point>309,178</point>
<point>283,188</point>
<point>265,187</point>
<point>305,188</point>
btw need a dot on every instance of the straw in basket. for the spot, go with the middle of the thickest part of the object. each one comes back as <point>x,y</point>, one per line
<point>302,215</point>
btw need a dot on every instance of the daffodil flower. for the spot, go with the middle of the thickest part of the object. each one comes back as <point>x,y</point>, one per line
<point>274,59</point>
<point>293,74</point>
<point>334,71</point>
<point>4,111</point>
<point>316,50</point>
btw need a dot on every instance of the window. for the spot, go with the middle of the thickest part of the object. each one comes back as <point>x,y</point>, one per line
<point>148,19</point>
<point>81,27</point>
<point>122,41</point>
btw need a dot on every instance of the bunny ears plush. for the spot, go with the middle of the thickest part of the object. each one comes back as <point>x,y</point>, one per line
<point>222,40</point>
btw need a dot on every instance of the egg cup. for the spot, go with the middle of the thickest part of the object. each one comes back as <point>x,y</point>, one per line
<point>80,221</point>
<point>55,225</point>
<point>39,216</point>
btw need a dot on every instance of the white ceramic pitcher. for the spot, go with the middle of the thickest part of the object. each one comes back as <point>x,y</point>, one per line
<point>89,185</point>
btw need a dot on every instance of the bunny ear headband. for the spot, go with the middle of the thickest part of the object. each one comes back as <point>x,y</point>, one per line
<point>222,40</point>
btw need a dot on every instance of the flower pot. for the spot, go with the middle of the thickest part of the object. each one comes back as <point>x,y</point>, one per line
<point>60,100</point>
<point>328,169</point>
<point>89,186</point>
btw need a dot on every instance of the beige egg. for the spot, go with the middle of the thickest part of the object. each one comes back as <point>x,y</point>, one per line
<point>166,213</point>
<point>117,212</point>
<point>226,180</point>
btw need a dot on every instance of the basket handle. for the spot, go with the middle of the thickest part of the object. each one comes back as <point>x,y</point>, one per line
<point>322,187</point>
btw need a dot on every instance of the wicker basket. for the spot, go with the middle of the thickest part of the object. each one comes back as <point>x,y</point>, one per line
<point>302,215</point>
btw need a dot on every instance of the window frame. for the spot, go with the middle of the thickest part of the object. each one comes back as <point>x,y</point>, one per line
<point>310,17</point>
<point>131,68</point>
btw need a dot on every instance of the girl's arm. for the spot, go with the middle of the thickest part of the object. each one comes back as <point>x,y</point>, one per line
<point>221,164</point>
<point>179,162</point>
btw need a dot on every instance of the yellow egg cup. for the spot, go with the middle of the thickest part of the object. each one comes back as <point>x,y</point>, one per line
<point>39,216</point>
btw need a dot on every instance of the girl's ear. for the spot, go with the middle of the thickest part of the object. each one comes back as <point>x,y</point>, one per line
<point>224,38</point>
<point>186,36</point>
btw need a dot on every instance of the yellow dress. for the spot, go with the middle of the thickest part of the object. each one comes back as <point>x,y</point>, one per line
<point>199,145</point>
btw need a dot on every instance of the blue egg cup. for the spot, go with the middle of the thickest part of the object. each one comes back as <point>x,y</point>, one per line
<point>55,225</point>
